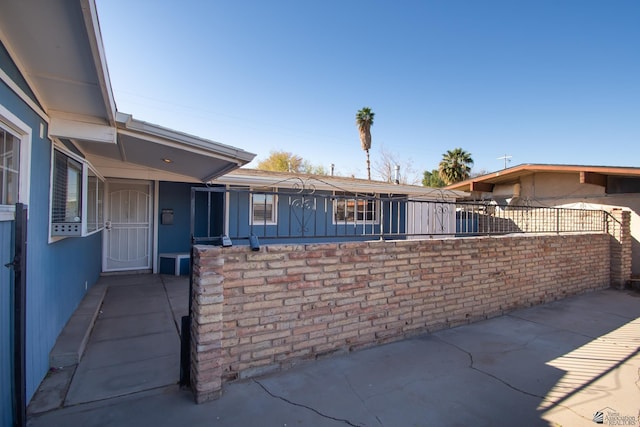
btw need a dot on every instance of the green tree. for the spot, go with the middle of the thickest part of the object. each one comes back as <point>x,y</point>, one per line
<point>455,166</point>
<point>432,179</point>
<point>364,121</point>
<point>283,161</point>
<point>309,168</point>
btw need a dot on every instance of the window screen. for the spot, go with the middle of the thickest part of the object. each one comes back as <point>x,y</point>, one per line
<point>67,189</point>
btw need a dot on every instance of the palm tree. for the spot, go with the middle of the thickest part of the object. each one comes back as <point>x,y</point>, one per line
<point>455,166</point>
<point>364,121</point>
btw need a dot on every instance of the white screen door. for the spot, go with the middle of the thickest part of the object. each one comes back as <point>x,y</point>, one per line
<point>127,241</point>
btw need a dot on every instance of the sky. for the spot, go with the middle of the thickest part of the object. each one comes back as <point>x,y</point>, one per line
<point>541,81</point>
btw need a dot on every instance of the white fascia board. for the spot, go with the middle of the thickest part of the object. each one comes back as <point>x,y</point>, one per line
<point>217,149</point>
<point>252,181</point>
<point>60,127</point>
<point>90,14</point>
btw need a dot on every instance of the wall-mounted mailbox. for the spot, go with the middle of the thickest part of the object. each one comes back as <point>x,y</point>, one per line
<point>167,217</point>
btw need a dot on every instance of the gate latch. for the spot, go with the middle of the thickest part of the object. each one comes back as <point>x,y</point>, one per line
<point>13,264</point>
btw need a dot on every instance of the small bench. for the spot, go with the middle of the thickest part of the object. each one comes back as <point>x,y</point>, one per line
<point>177,257</point>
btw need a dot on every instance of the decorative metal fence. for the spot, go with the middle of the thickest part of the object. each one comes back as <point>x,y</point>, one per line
<point>305,215</point>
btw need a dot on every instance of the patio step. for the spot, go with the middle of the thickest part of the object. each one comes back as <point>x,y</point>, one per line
<point>73,339</point>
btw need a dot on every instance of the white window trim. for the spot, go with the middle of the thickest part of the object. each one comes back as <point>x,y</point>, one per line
<point>343,197</point>
<point>275,207</point>
<point>85,172</point>
<point>85,196</point>
<point>12,123</point>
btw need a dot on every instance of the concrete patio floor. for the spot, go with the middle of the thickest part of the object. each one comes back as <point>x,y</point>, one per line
<point>557,364</point>
<point>134,344</point>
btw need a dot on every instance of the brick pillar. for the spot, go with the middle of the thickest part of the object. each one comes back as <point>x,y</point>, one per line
<point>619,226</point>
<point>206,323</point>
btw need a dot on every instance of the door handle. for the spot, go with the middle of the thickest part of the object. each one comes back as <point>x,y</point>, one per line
<point>107,225</point>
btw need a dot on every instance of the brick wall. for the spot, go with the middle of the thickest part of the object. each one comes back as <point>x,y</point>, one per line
<point>619,228</point>
<point>257,312</point>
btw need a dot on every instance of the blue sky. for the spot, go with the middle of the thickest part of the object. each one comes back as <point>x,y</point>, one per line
<point>544,81</point>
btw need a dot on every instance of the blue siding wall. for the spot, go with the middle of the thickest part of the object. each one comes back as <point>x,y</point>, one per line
<point>316,219</point>
<point>294,223</point>
<point>176,237</point>
<point>6,323</point>
<point>56,272</point>
<point>177,197</point>
<point>395,217</point>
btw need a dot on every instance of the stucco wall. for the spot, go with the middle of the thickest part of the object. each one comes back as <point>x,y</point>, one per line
<point>564,189</point>
<point>556,185</point>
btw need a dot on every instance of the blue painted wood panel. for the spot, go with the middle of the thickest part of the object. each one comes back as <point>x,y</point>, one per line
<point>310,219</point>
<point>59,273</point>
<point>176,236</point>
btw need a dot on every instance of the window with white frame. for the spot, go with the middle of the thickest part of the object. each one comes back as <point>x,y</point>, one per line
<point>15,152</point>
<point>263,207</point>
<point>350,208</point>
<point>77,197</point>
<point>9,167</point>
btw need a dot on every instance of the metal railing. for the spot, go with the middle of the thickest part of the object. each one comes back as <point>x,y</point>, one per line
<point>292,215</point>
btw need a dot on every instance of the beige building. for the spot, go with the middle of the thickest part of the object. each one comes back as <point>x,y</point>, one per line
<point>597,187</point>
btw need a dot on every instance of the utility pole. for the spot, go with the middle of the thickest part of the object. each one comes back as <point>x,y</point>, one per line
<point>506,159</point>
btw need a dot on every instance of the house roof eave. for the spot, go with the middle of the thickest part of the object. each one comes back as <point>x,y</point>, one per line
<point>258,178</point>
<point>60,55</point>
<point>510,174</point>
<point>155,147</point>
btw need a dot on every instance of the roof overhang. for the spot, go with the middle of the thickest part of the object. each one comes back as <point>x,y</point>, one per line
<point>165,151</point>
<point>58,48</point>
<point>595,175</point>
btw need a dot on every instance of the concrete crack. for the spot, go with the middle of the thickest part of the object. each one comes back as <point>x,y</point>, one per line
<point>471,366</point>
<point>353,390</point>
<point>556,328</point>
<point>306,407</point>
